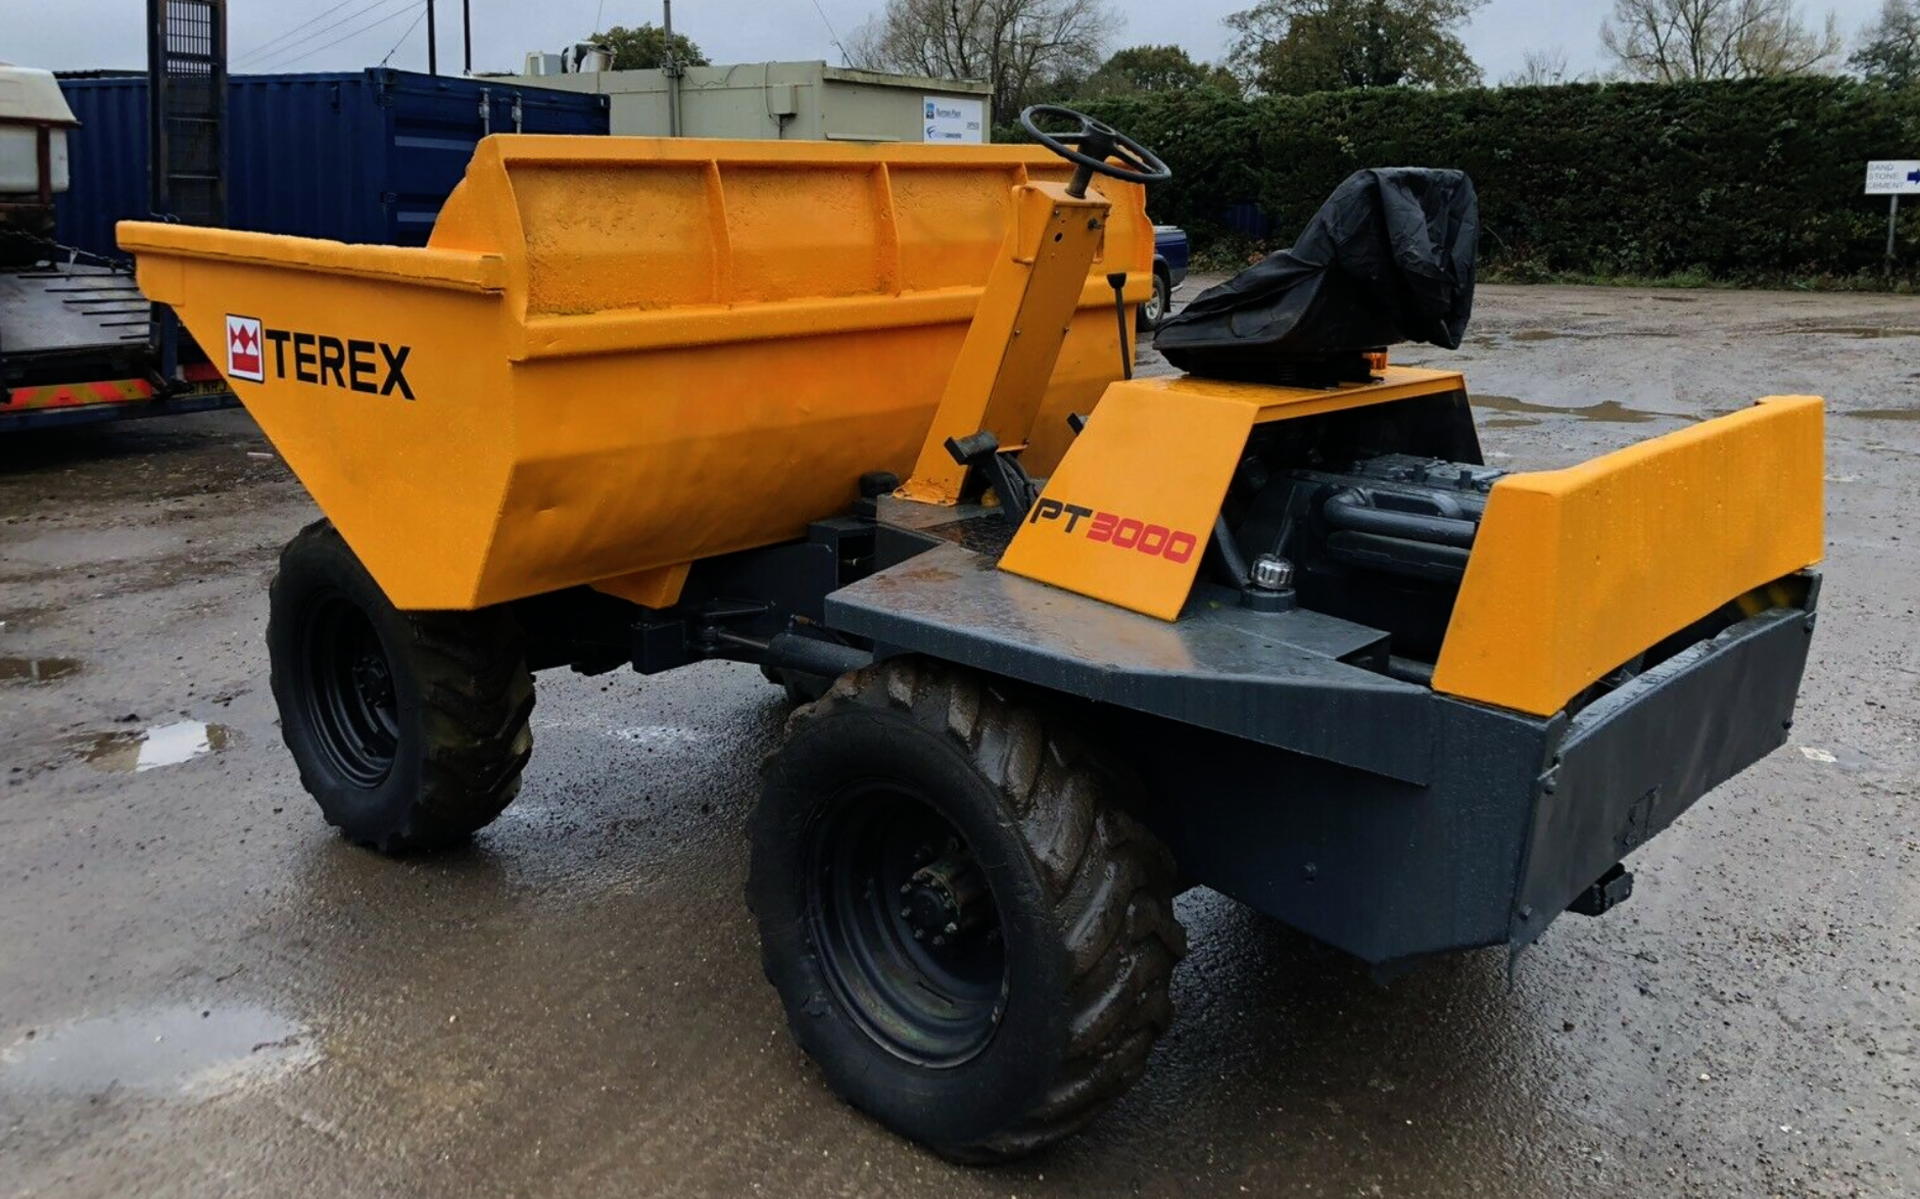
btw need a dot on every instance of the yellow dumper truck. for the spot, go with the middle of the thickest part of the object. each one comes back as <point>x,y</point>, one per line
<point>1067,641</point>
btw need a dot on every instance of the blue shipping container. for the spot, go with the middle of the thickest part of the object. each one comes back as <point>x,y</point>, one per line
<point>352,156</point>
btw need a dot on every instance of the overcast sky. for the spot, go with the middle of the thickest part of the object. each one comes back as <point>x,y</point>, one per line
<point>325,35</point>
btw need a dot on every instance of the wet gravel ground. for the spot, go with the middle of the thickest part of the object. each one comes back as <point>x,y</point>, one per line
<point>204,992</point>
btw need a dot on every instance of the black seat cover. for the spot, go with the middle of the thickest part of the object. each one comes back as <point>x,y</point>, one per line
<point>1389,258</point>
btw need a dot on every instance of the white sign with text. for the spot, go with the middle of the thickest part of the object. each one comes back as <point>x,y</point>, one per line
<point>956,119</point>
<point>1893,179</point>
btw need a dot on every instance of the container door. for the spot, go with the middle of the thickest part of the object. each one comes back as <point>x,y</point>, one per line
<point>434,123</point>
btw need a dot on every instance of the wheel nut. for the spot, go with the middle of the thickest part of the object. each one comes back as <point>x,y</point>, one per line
<point>939,940</point>
<point>906,913</point>
<point>919,934</point>
<point>952,928</point>
<point>906,888</point>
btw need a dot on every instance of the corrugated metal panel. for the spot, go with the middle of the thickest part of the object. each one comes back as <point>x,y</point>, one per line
<point>107,160</point>
<point>356,157</point>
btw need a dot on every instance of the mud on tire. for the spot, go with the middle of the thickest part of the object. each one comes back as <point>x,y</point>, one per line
<point>1081,896</point>
<point>410,729</point>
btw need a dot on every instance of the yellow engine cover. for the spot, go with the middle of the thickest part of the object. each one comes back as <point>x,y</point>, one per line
<point>1576,571</point>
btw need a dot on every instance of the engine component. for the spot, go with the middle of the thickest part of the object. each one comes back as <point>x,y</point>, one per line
<point>1401,515</point>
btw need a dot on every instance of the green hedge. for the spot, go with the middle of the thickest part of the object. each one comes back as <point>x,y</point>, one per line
<point>1745,180</point>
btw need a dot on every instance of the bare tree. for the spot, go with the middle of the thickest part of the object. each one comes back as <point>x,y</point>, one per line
<point>1021,47</point>
<point>1541,68</point>
<point>1668,41</point>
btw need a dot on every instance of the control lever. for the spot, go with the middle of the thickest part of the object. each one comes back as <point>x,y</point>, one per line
<point>1009,480</point>
<point>1118,282</point>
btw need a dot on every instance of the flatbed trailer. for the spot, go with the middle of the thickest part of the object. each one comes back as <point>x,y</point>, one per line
<point>77,342</point>
<point>75,348</point>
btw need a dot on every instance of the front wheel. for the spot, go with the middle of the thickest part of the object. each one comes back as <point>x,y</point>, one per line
<point>410,729</point>
<point>970,937</point>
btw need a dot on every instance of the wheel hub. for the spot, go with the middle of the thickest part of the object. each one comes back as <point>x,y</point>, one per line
<point>906,924</point>
<point>945,900</point>
<point>349,690</point>
<point>374,680</point>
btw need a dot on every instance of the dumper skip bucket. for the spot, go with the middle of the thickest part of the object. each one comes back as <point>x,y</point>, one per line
<point>617,356</point>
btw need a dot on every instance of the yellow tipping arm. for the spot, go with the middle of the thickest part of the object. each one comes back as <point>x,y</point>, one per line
<point>1001,376</point>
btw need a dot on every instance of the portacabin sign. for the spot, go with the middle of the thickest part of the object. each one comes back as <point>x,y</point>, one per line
<point>1893,178</point>
<point>955,119</point>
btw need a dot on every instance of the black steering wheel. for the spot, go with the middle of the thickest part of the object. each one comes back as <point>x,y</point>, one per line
<point>1090,146</point>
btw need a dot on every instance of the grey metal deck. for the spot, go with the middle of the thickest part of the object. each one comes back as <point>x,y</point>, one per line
<point>59,309</point>
<point>1274,678</point>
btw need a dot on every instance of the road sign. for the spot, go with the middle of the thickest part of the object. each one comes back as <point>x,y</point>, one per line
<point>1893,179</point>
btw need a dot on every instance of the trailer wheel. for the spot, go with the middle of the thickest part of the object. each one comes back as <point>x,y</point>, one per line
<point>409,728</point>
<point>970,936</point>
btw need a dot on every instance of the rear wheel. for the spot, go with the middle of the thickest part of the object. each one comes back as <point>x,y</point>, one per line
<point>410,729</point>
<point>971,939</point>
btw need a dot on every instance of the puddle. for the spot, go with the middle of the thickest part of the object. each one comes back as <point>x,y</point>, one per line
<point>1886,413</point>
<point>1509,422</point>
<point>1606,411</point>
<point>179,1049</point>
<point>1864,332</point>
<point>36,670</point>
<point>1844,758</point>
<point>1539,335</point>
<point>162,745</point>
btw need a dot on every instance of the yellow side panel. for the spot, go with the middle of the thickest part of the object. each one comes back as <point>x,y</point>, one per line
<point>411,483</point>
<point>1127,515</point>
<point>1576,571</point>
<point>1128,512</point>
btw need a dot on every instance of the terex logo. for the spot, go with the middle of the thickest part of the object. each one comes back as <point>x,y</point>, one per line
<point>243,348</point>
<point>1121,532</point>
<point>373,367</point>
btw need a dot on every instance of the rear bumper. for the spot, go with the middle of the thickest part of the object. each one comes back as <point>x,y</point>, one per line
<point>1634,760</point>
<point>1517,817</point>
